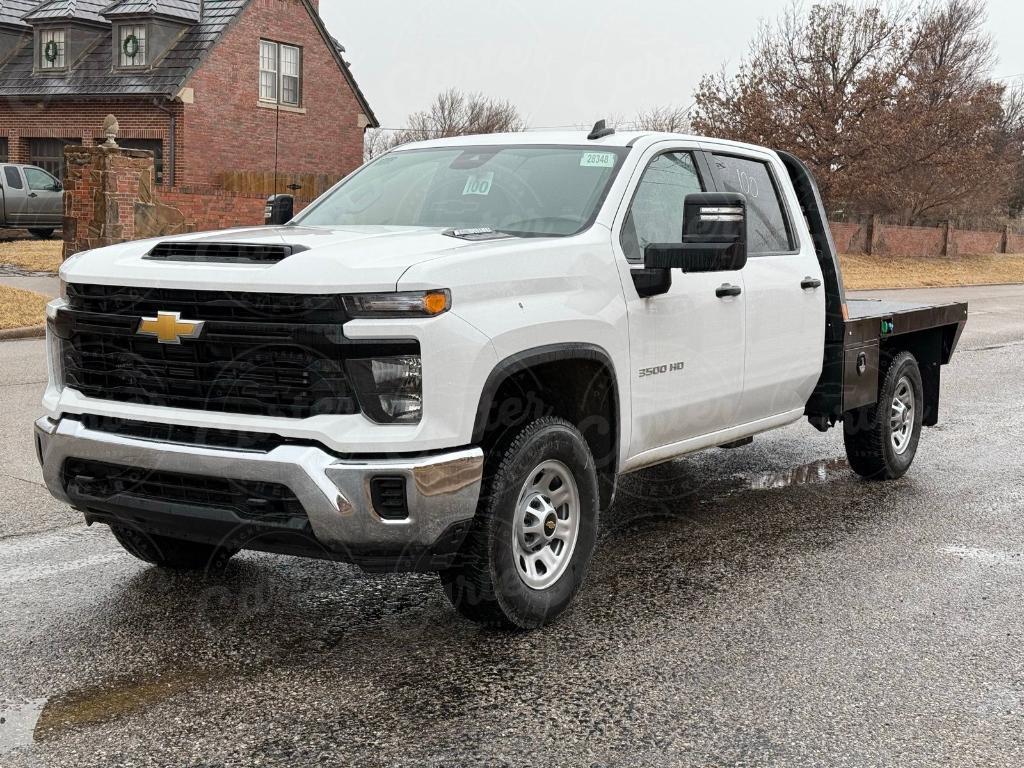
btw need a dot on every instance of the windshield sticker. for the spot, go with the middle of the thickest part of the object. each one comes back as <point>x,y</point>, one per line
<point>479,184</point>
<point>597,160</point>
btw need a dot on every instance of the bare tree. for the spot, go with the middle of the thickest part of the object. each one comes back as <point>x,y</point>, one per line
<point>663,119</point>
<point>376,141</point>
<point>452,113</point>
<point>895,110</point>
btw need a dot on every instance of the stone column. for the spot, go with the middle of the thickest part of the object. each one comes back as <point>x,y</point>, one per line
<point>102,186</point>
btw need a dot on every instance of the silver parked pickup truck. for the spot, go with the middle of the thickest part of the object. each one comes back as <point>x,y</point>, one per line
<point>30,198</point>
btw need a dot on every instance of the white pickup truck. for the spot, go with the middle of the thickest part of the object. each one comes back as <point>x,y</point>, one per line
<point>445,362</point>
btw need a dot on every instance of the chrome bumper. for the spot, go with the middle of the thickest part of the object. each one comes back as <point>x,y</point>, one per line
<point>442,490</point>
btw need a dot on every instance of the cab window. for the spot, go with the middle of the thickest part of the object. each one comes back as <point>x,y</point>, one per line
<point>767,228</point>
<point>39,180</point>
<point>12,177</point>
<point>656,213</point>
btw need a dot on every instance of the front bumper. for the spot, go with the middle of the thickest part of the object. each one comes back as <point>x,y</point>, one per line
<point>442,489</point>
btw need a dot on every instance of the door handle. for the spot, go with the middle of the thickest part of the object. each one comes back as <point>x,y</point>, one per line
<point>810,282</point>
<point>32,194</point>
<point>725,290</point>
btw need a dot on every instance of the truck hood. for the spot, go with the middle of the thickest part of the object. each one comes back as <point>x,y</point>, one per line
<point>334,260</point>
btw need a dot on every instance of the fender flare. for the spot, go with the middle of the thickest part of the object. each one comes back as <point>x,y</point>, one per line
<point>550,353</point>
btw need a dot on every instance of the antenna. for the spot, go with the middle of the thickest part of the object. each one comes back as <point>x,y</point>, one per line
<point>600,130</point>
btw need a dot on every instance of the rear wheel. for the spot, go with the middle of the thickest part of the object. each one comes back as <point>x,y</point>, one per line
<point>527,553</point>
<point>171,553</point>
<point>42,234</point>
<point>881,440</point>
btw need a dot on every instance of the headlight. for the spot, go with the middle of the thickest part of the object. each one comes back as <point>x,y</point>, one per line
<point>390,389</point>
<point>400,304</point>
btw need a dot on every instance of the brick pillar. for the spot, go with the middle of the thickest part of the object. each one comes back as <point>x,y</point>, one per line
<point>102,188</point>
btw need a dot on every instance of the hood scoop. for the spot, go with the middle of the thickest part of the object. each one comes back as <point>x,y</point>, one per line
<point>205,252</point>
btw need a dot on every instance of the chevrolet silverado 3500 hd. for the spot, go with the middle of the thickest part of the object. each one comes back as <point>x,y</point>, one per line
<point>444,363</point>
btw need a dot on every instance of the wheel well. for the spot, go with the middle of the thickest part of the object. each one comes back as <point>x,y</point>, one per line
<point>928,348</point>
<point>578,388</point>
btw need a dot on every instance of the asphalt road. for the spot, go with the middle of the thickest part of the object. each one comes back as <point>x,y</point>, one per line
<point>756,607</point>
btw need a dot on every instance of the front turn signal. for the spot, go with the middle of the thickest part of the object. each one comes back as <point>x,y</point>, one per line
<point>400,304</point>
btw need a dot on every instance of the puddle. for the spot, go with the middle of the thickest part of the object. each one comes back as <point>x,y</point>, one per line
<point>17,724</point>
<point>814,473</point>
<point>111,701</point>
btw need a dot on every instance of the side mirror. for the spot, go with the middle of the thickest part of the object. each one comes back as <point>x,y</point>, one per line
<point>58,187</point>
<point>714,237</point>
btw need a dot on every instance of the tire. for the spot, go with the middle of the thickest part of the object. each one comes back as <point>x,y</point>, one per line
<point>171,553</point>
<point>42,234</point>
<point>871,448</point>
<point>504,577</point>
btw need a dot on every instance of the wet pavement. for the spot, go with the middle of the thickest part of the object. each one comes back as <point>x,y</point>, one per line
<point>757,606</point>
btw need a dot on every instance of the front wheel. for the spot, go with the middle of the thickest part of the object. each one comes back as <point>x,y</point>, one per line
<point>881,440</point>
<point>535,530</point>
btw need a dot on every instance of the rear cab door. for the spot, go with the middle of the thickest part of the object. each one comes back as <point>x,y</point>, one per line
<point>785,294</point>
<point>686,345</point>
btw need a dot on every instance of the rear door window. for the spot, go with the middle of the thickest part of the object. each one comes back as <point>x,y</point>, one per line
<point>767,226</point>
<point>12,177</point>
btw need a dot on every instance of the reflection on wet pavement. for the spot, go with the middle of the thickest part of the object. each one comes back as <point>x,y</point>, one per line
<point>808,474</point>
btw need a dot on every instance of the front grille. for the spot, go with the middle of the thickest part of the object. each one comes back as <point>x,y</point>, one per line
<point>222,253</point>
<point>98,482</point>
<point>262,354</point>
<point>237,306</point>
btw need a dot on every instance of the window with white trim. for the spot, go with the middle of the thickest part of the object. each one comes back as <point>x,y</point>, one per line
<point>280,73</point>
<point>52,49</point>
<point>131,45</point>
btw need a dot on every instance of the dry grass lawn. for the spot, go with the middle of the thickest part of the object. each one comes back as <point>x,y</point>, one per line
<point>873,272</point>
<point>21,309</point>
<point>33,255</point>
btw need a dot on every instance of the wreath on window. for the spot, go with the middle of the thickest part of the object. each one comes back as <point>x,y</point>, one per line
<point>51,52</point>
<point>130,46</point>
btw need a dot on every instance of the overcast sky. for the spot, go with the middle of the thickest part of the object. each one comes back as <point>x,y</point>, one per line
<point>565,62</point>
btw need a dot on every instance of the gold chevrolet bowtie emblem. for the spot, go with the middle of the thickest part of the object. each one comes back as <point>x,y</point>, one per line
<point>169,328</point>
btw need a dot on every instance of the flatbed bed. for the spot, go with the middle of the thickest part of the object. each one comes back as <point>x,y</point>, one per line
<point>862,334</point>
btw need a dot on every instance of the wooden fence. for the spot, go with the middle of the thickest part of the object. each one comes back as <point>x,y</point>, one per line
<point>260,184</point>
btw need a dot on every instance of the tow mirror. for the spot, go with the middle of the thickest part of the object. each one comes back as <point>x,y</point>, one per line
<point>714,237</point>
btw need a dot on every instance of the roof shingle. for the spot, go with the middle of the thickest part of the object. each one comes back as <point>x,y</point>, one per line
<point>93,76</point>
<point>55,10</point>
<point>13,11</point>
<point>187,10</point>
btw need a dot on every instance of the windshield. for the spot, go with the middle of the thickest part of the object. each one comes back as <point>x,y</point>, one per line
<point>519,190</point>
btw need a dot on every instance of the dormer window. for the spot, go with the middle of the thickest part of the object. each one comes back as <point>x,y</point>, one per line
<point>131,47</point>
<point>52,54</point>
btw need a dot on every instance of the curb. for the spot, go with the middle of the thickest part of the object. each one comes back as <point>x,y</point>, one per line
<point>32,332</point>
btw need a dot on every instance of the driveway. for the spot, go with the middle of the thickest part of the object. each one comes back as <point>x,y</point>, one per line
<point>758,607</point>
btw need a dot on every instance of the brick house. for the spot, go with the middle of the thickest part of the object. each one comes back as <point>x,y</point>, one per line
<point>209,86</point>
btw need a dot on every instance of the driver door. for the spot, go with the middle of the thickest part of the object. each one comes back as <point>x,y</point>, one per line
<point>686,345</point>
<point>45,200</point>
